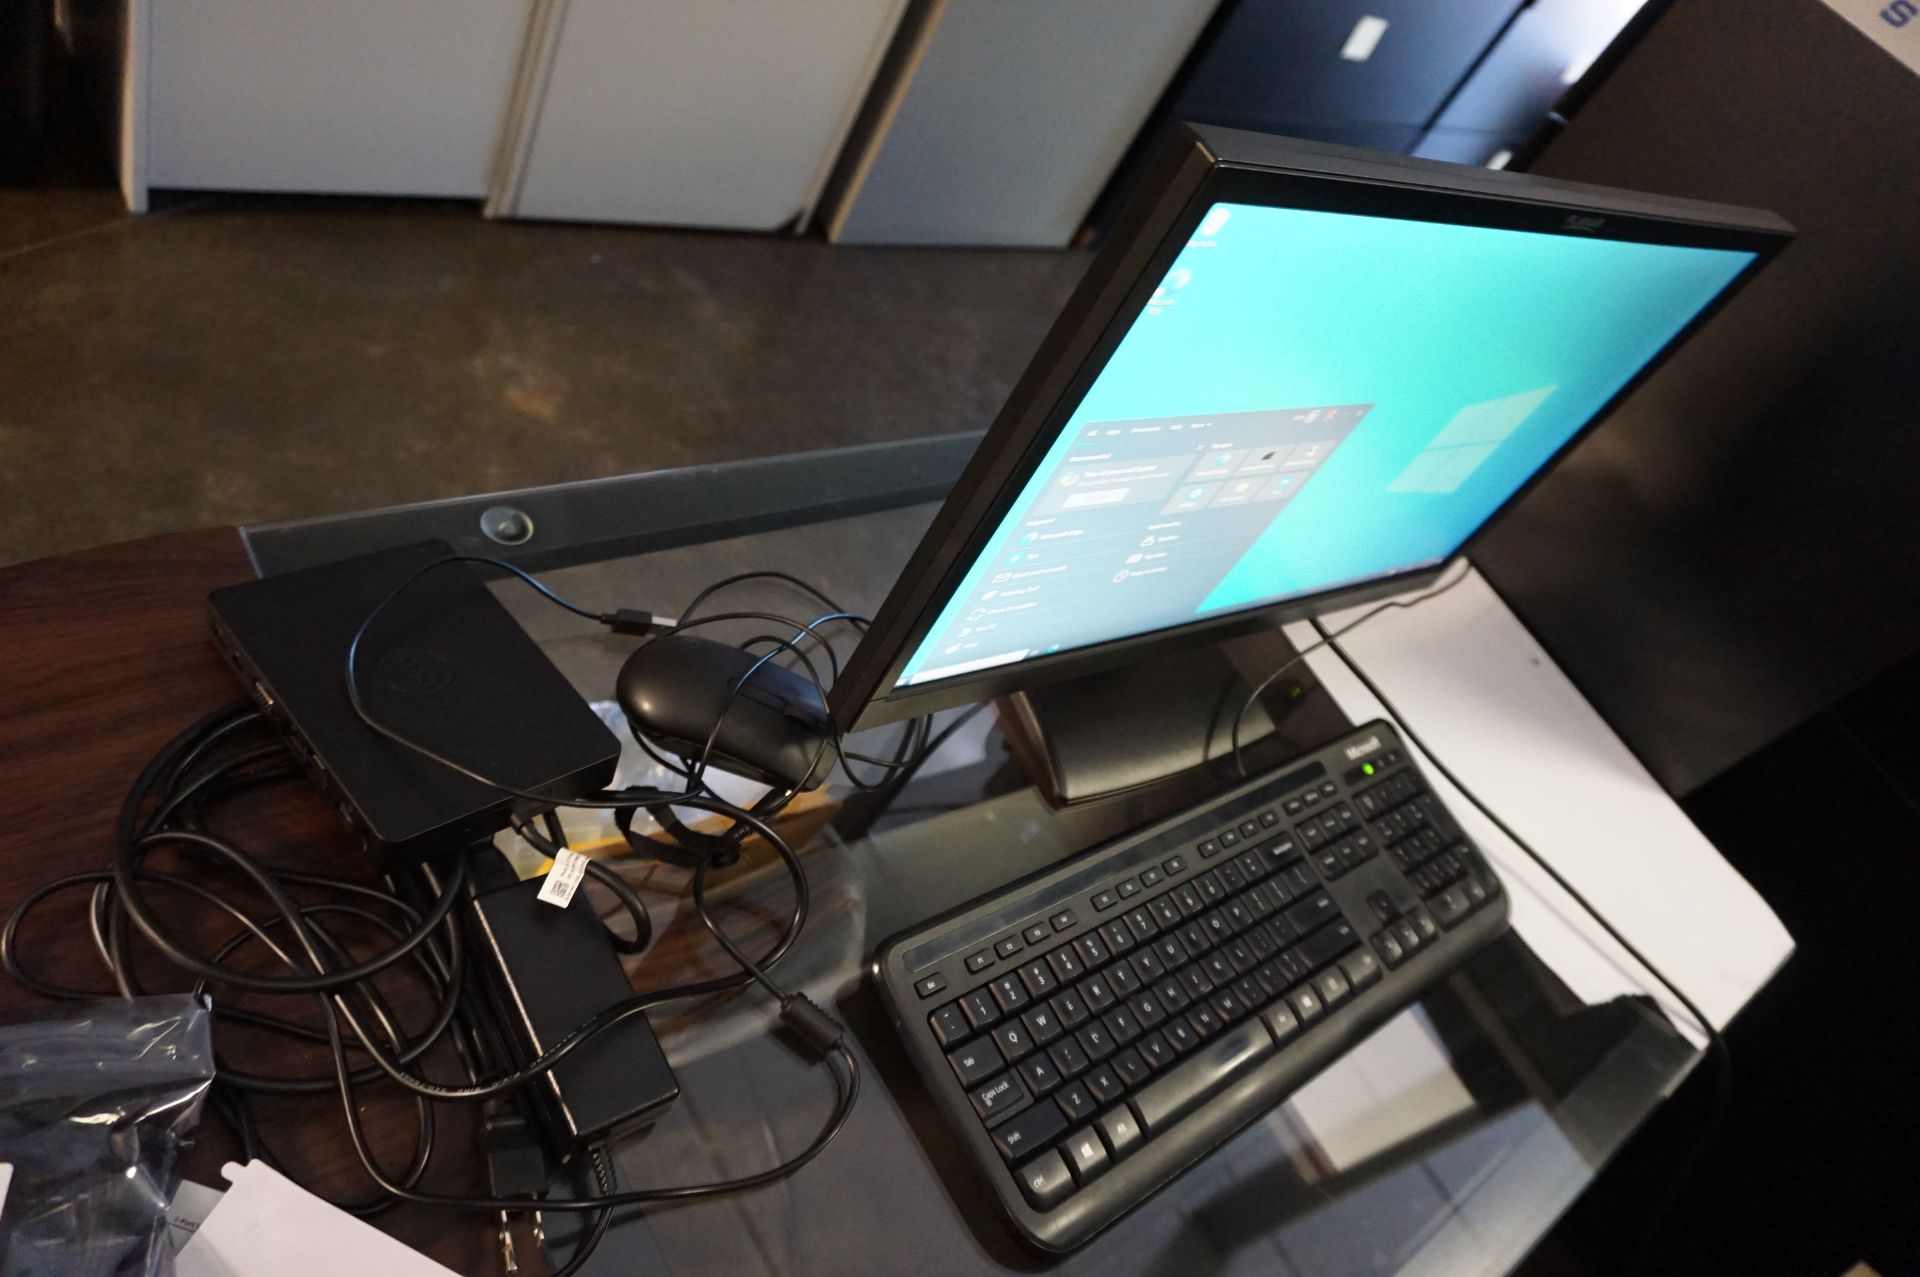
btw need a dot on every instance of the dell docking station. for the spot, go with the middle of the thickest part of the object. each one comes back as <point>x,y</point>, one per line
<point>443,664</point>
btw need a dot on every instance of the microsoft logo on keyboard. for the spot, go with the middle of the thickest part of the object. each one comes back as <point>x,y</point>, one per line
<point>1363,748</point>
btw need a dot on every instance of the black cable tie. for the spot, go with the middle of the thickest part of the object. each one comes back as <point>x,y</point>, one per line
<point>822,1031</point>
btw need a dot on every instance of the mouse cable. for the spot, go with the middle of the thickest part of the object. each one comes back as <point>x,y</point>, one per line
<point>1717,1049</point>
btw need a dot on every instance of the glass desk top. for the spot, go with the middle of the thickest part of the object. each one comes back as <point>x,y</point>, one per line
<point>1448,1142</point>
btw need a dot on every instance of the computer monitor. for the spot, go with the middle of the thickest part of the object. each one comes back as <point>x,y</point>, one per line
<point>1296,376</point>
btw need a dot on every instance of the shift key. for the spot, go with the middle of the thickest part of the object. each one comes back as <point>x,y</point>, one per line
<point>1173,1095</point>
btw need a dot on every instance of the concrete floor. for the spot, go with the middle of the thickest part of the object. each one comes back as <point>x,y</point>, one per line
<point>241,358</point>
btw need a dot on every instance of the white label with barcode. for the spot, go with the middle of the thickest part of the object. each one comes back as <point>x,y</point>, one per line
<point>568,868</point>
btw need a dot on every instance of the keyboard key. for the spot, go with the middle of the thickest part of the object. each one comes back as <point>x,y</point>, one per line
<point>1043,1024</point>
<point>1129,889</point>
<point>1293,966</point>
<point>1165,911</point>
<point>1098,993</point>
<point>1281,1022</point>
<point>1038,977</point>
<point>999,1098</point>
<point>1187,1086</point>
<point>1023,1136</point>
<point>1218,968</point>
<point>1188,898</point>
<point>1147,965</point>
<point>1268,819</point>
<point>1228,838</point>
<point>1170,952</point>
<point>1227,1005</point>
<point>1092,950</point>
<point>1450,906</point>
<point>949,1024</point>
<point>1009,992</point>
<point>1062,920</point>
<point>1071,1008</point>
<point>1121,1130</point>
<point>1260,940</point>
<point>1196,981</point>
<point>1118,938</point>
<point>1070,1058</point>
<point>1423,923</point>
<point>1172,993</point>
<point>1154,1050</point>
<point>1008,947</point>
<point>1408,937</point>
<point>1036,934</point>
<point>981,1010</point>
<point>1194,939</point>
<point>1208,849</point>
<point>1391,950</point>
<point>1252,865</point>
<point>1304,915</point>
<point>1180,1036</point>
<point>1273,981</point>
<point>1306,1004</point>
<point>1231,878</point>
<point>1077,1102</point>
<point>1219,930</point>
<point>977,962</point>
<point>1152,877</point>
<point>1293,806</point>
<point>1174,865</point>
<point>1361,969</point>
<point>1248,990</point>
<point>1096,1041</point>
<point>1103,900</point>
<point>1105,1084</point>
<point>1249,828</point>
<point>975,1062</point>
<point>1208,885</point>
<point>1239,917</point>
<point>1204,1021</point>
<point>1132,1069</point>
<point>1039,1074</point>
<point>931,985</point>
<point>1140,921</point>
<point>1086,1155</point>
<point>1332,987</point>
<point>1328,943</point>
<point>1014,1041</point>
<point>1046,1181</point>
<point>1123,978</point>
<point>1122,1025</point>
<point>1066,964</point>
<point>1147,1009</point>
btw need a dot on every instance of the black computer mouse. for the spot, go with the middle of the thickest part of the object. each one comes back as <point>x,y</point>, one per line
<point>773,726</point>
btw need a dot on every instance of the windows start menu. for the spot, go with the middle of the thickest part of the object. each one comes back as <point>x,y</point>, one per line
<point>1165,505</point>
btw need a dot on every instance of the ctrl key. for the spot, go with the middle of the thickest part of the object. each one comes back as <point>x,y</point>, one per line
<point>1045,1181</point>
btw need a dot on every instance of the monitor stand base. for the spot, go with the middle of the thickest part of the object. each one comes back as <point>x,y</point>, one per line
<point>1104,734</point>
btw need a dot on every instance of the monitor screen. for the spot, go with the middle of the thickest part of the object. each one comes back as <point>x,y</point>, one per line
<point>1310,400</point>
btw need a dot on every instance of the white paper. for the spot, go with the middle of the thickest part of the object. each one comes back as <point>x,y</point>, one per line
<point>569,867</point>
<point>1894,25</point>
<point>1476,686</point>
<point>6,1178</point>
<point>268,1226</point>
<point>191,1205</point>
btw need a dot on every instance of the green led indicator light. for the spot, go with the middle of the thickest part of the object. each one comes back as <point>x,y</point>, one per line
<point>1366,769</point>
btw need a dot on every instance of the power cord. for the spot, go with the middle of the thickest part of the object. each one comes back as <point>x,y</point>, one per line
<point>1722,1097</point>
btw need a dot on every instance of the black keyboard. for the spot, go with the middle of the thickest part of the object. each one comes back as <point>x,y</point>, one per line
<point>1092,1031</point>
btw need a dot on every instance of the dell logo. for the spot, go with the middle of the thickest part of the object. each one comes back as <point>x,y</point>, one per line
<point>1899,13</point>
<point>1365,747</point>
<point>1581,222</point>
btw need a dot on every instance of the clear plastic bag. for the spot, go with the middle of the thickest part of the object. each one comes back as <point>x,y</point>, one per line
<point>96,1102</point>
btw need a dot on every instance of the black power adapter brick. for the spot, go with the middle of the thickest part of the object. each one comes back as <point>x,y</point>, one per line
<point>547,970</point>
<point>444,663</point>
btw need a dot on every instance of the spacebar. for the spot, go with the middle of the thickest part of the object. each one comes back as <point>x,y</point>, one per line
<point>1172,1096</point>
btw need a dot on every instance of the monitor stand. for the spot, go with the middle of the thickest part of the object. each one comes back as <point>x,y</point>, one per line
<point>1099,735</point>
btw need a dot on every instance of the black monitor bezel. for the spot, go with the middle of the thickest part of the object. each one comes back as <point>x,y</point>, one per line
<point>1204,168</point>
